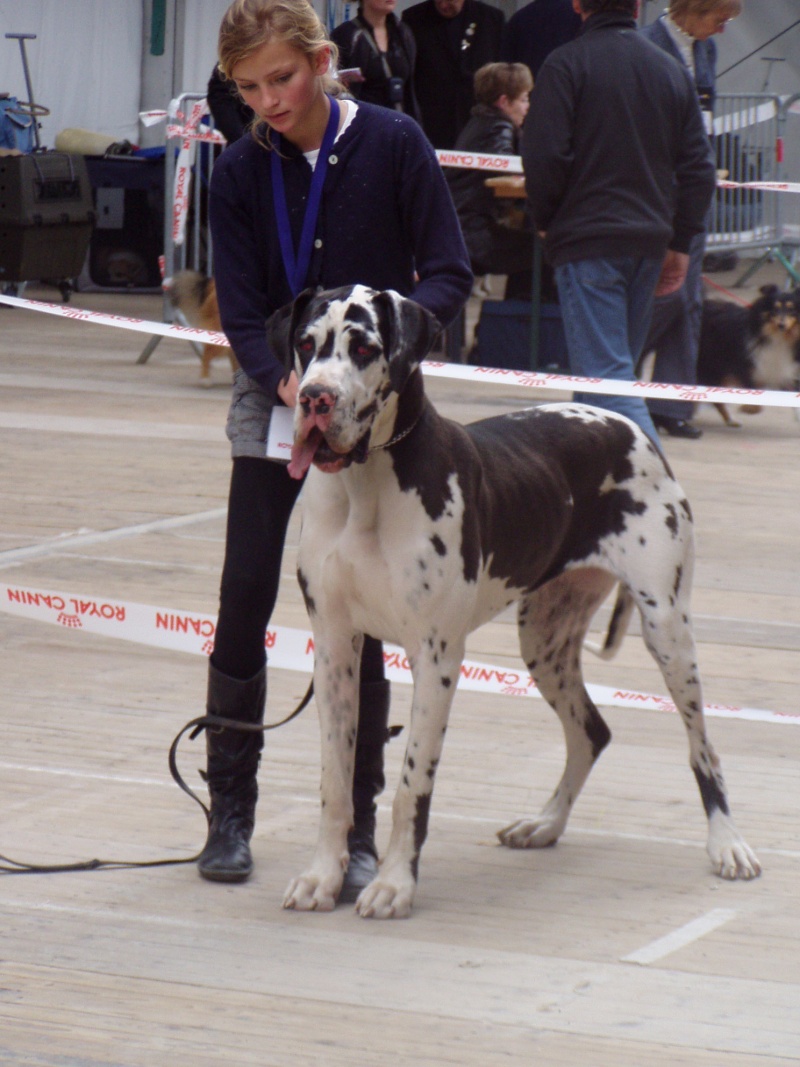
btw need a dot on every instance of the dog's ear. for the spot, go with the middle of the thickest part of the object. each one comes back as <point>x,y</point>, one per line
<point>281,326</point>
<point>409,331</point>
<point>769,290</point>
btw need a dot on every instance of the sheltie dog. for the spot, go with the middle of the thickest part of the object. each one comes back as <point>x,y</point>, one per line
<point>756,347</point>
<point>195,296</point>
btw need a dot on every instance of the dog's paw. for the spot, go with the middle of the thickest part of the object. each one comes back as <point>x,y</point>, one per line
<point>731,856</point>
<point>531,833</point>
<point>387,897</point>
<point>310,892</point>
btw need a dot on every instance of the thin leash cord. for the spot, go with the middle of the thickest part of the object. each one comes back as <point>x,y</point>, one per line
<point>203,722</point>
<point>721,288</point>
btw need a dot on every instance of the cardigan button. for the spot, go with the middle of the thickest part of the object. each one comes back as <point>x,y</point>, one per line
<point>318,243</point>
<point>333,159</point>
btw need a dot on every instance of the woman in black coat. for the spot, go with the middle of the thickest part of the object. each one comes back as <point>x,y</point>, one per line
<point>384,51</point>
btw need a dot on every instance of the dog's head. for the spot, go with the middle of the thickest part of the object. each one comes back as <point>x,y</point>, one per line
<point>353,349</point>
<point>776,314</point>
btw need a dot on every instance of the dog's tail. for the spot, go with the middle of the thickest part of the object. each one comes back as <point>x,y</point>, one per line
<point>187,289</point>
<point>617,626</point>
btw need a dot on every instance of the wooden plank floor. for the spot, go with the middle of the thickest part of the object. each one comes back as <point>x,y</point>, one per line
<point>618,948</point>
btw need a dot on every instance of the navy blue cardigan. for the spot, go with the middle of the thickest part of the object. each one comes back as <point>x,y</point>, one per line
<point>386,220</point>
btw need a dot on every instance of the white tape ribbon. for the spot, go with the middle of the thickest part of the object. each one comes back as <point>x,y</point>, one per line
<point>293,649</point>
<point>450,157</point>
<point>699,394</point>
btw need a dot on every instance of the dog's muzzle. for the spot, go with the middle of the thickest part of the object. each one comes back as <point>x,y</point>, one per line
<point>316,408</point>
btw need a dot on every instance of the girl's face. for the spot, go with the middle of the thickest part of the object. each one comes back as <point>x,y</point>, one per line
<point>282,85</point>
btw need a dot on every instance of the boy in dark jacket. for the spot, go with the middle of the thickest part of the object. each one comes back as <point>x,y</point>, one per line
<point>502,91</point>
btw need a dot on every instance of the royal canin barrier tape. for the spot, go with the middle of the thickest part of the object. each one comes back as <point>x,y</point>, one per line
<point>293,649</point>
<point>451,157</point>
<point>699,394</point>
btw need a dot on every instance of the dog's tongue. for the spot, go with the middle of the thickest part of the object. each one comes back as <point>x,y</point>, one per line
<point>302,455</point>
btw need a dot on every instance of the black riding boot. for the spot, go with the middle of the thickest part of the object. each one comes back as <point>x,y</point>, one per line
<point>368,782</point>
<point>233,758</point>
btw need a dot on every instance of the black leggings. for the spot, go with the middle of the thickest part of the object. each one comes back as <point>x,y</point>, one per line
<point>262,495</point>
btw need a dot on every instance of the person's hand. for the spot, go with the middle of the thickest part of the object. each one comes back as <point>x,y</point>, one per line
<point>287,390</point>
<point>673,273</point>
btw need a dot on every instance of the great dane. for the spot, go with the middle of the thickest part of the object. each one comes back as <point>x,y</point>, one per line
<point>417,530</point>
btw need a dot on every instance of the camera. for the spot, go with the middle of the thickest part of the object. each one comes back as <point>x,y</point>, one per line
<point>395,90</point>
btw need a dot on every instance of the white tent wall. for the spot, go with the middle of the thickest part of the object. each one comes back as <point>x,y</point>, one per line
<point>85,63</point>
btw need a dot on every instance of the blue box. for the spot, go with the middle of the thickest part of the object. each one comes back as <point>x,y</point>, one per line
<point>503,337</point>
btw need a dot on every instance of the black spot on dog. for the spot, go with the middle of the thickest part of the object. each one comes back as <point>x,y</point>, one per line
<point>439,546</point>
<point>672,520</point>
<point>596,729</point>
<point>309,600</point>
<point>713,797</point>
<point>420,830</point>
<point>676,587</point>
<point>446,682</point>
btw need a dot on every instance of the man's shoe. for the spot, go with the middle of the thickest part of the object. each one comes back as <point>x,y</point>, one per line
<point>677,427</point>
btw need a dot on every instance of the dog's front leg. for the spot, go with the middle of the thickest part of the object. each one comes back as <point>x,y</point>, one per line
<point>391,894</point>
<point>336,670</point>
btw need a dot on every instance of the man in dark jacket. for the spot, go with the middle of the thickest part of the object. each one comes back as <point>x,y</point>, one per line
<point>454,38</point>
<point>619,176</point>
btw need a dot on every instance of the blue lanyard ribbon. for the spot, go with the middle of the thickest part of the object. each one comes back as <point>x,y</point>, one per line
<point>297,268</point>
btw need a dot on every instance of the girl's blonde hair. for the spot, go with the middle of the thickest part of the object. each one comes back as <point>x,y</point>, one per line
<point>249,24</point>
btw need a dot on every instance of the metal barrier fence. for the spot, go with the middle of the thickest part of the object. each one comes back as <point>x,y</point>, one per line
<point>194,251</point>
<point>749,141</point>
<point>748,148</point>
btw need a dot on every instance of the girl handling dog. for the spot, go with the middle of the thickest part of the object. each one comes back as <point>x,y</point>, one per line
<point>324,192</point>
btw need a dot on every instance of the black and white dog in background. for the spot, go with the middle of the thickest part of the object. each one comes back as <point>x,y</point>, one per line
<point>417,530</point>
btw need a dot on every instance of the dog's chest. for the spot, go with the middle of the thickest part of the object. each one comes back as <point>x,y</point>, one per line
<point>775,364</point>
<point>376,555</point>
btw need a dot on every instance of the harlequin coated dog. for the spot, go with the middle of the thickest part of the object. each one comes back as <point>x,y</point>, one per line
<point>756,347</point>
<point>196,296</point>
<point>417,530</point>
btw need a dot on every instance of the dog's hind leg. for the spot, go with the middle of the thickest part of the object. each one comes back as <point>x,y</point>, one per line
<point>667,632</point>
<point>552,626</point>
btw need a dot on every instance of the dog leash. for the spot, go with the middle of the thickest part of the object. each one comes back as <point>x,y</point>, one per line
<point>727,292</point>
<point>203,722</point>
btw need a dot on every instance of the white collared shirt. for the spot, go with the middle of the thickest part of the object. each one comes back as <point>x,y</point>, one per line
<point>682,40</point>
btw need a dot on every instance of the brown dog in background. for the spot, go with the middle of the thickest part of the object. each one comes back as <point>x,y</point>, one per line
<point>195,296</point>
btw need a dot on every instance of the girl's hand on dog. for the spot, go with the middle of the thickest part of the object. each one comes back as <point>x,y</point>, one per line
<point>287,391</point>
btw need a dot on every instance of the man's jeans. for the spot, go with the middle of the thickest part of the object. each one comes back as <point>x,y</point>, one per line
<point>675,335</point>
<point>606,306</point>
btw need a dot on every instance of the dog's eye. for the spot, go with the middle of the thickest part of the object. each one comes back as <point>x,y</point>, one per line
<point>306,346</point>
